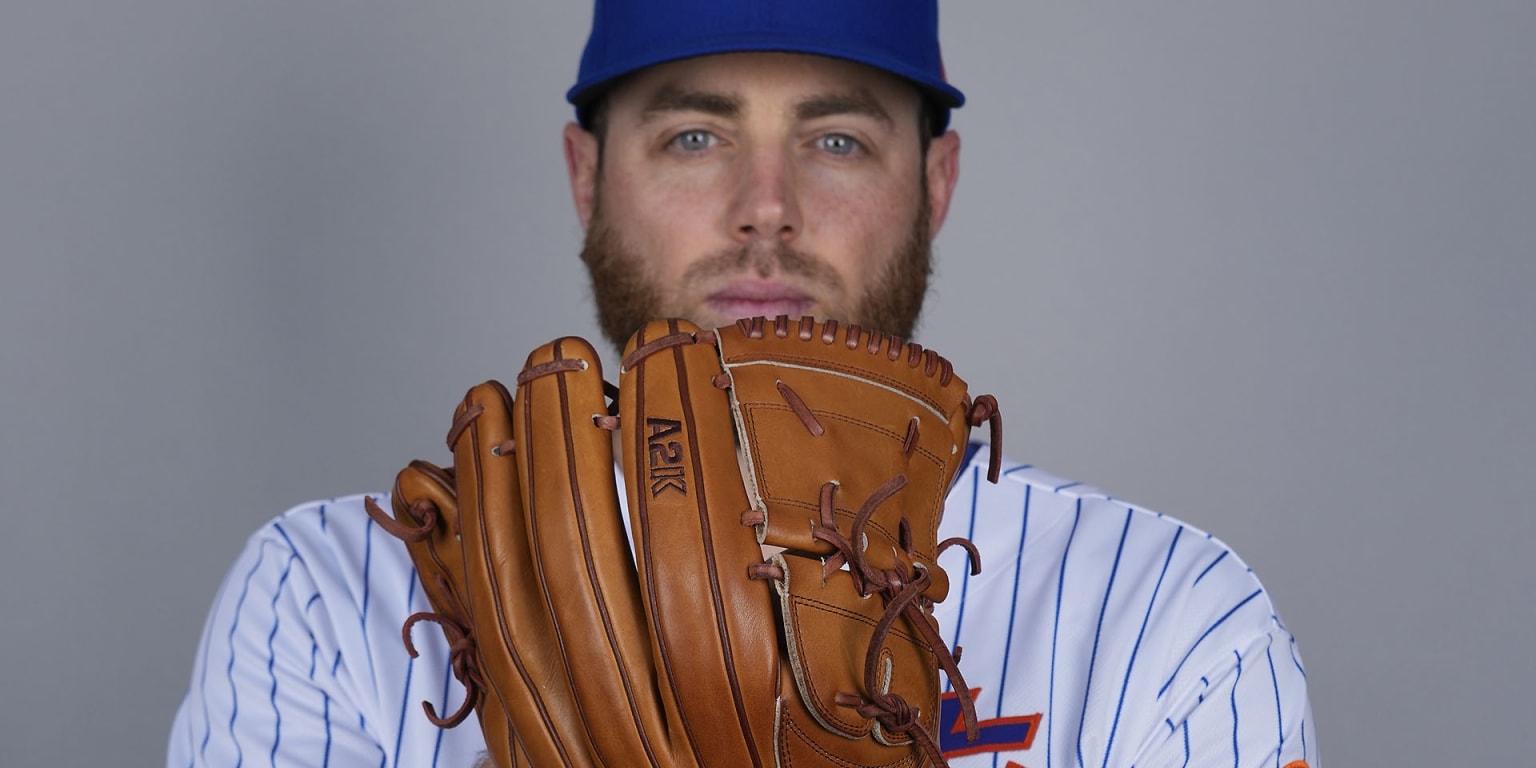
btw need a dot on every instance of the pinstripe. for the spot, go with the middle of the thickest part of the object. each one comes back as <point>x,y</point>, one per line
<point>326,710</point>
<point>965,575</point>
<point>335,665</point>
<point>1279,714</point>
<point>1061,579</point>
<point>1236,753</point>
<point>437,744</point>
<point>1136,648</point>
<point>283,532</point>
<point>367,593</point>
<point>229,671</point>
<point>1208,568</point>
<point>1186,743</point>
<point>325,697</point>
<point>1013,607</point>
<point>277,714</point>
<point>1098,631</point>
<point>1203,636</point>
<point>410,670</point>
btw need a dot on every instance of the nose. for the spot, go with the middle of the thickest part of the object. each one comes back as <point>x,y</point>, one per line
<point>766,206</point>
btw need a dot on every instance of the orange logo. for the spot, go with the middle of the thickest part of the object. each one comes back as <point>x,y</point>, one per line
<point>999,734</point>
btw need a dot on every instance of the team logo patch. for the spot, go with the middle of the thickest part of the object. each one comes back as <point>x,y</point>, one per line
<point>999,734</point>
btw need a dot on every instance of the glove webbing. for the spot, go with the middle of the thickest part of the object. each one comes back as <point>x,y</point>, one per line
<point>903,595</point>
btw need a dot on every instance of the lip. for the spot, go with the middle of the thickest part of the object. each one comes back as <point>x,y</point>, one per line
<point>751,298</point>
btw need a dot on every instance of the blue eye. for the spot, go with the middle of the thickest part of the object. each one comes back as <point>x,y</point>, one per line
<point>839,144</point>
<point>694,141</point>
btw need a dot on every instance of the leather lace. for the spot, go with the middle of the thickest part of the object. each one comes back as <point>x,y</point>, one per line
<point>421,509</point>
<point>903,596</point>
<point>985,411</point>
<point>462,658</point>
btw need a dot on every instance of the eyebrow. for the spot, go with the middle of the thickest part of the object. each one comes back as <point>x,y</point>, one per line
<point>675,98</point>
<point>858,101</point>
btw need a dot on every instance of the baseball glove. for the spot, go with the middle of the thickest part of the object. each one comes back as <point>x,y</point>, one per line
<point>779,475</point>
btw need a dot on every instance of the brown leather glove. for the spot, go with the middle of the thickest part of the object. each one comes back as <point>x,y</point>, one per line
<point>830,448</point>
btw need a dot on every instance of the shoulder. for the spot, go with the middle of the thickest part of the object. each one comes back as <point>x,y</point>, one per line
<point>344,559</point>
<point>1035,514</point>
<point>302,651</point>
<point>335,535</point>
<point>1093,568</point>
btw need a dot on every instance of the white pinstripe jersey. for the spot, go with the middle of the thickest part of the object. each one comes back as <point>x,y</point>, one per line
<point>1098,634</point>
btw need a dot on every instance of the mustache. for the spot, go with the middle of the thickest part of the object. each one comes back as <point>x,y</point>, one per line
<point>764,261</point>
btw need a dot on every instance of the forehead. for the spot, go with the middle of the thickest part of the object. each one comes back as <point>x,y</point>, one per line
<point>763,82</point>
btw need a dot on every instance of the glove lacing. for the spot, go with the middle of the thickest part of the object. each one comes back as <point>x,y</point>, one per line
<point>462,656</point>
<point>903,596</point>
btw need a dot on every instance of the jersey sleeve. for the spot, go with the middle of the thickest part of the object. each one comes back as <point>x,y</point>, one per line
<point>301,663</point>
<point>1100,633</point>
<point>1234,689</point>
<point>264,684</point>
<point>1248,709</point>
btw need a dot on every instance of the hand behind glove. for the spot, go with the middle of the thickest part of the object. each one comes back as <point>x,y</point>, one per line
<point>706,654</point>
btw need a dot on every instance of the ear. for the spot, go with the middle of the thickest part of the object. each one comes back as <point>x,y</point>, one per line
<point>581,150</point>
<point>942,173</point>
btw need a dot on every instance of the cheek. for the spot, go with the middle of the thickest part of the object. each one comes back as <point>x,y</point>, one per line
<point>666,221</point>
<point>857,224</point>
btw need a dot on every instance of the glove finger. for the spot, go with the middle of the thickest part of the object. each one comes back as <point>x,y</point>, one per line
<point>713,627</point>
<point>426,518</point>
<point>581,553</point>
<point>858,407</point>
<point>523,688</point>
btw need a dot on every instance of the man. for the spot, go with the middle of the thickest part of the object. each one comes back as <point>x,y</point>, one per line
<point>765,158</point>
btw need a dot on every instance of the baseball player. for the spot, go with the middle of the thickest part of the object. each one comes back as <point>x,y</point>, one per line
<point>782,157</point>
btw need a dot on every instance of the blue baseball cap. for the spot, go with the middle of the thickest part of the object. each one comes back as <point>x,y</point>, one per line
<point>898,36</point>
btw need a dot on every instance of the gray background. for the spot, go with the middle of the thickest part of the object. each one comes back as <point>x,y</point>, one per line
<point>1265,266</point>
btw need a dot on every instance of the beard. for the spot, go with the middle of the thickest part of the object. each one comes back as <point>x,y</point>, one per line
<point>628,296</point>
